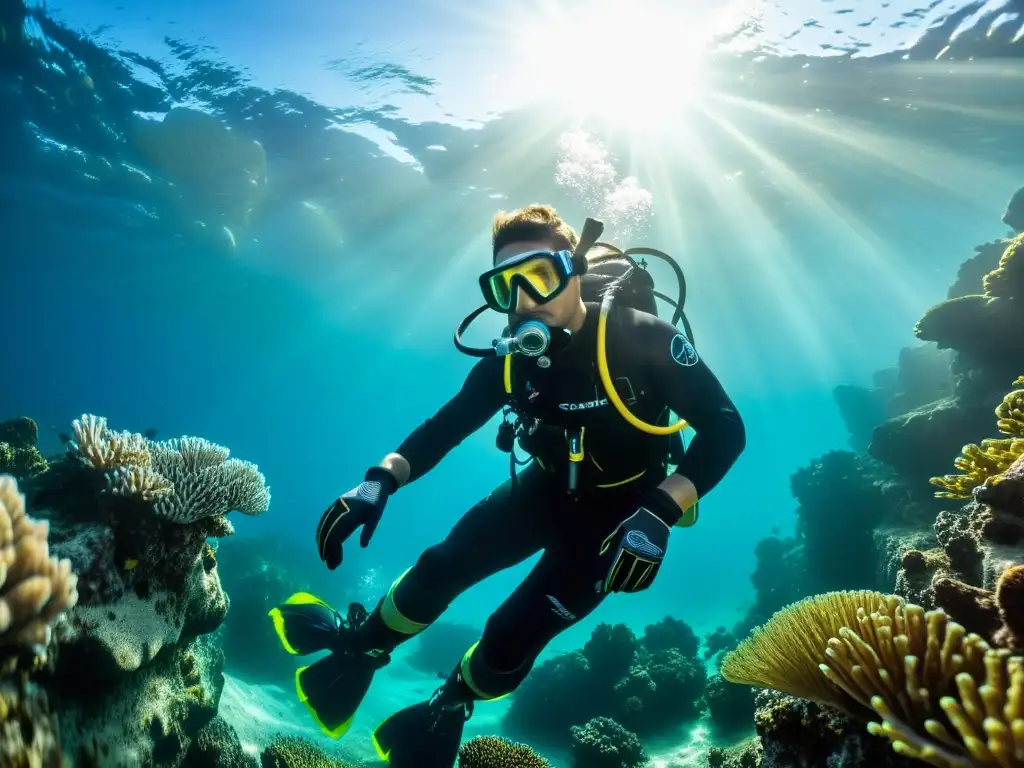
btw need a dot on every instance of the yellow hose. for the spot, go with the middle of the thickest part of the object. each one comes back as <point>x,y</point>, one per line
<point>609,385</point>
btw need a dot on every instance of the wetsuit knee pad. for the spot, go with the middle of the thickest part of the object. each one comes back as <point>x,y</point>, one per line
<point>410,606</point>
<point>486,682</point>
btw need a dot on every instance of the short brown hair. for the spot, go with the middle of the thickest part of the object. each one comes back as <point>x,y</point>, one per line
<point>532,222</point>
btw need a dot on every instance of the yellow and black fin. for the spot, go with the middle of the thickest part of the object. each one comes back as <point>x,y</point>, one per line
<point>332,688</point>
<point>305,624</point>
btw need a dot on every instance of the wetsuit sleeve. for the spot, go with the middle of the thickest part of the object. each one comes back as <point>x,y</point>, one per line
<point>481,396</point>
<point>685,383</point>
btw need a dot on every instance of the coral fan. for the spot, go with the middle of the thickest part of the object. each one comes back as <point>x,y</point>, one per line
<point>931,684</point>
<point>603,743</point>
<point>496,752</point>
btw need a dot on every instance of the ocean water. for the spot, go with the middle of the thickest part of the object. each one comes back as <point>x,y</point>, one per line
<point>282,270</point>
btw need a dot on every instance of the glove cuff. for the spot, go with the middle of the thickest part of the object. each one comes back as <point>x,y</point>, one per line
<point>659,503</point>
<point>388,483</point>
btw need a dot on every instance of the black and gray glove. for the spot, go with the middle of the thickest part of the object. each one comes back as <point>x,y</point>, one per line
<point>637,546</point>
<point>362,506</point>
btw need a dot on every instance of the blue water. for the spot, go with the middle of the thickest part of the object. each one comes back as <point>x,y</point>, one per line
<point>820,190</point>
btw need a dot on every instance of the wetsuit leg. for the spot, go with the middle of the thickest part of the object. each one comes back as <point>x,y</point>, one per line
<point>563,588</point>
<point>509,525</point>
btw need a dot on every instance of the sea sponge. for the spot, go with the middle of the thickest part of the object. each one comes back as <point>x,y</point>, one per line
<point>496,752</point>
<point>34,587</point>
<point>944,697</point>
<point>1007,280</point>
<point>982,465</point>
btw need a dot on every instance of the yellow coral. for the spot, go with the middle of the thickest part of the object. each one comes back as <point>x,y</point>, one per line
<point>34,587</point>
<point>1005,280</point>
<point>906,666</point>
<point>982,464</point>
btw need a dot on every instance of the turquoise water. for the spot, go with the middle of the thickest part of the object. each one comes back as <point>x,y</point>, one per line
<point>819,172</point>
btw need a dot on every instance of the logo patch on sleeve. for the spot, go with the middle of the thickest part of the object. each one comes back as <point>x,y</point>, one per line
<point>683,351</point>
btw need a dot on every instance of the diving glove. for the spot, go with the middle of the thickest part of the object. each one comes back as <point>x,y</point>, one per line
<point>362,506</point>
<point>637,546</point>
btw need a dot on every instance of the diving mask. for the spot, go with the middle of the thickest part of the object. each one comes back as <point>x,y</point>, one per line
<point>541,274</point>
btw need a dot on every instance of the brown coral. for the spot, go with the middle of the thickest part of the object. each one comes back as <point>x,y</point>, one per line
<point>943,696</point>
<point>138,482</point>
<point>1007,280</point>
<point>34,587</point>
<point>496,752</point>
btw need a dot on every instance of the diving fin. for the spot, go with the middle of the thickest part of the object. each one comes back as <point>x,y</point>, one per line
<point>306,624</point>
<point>332,688</point>
<point>421,736</point>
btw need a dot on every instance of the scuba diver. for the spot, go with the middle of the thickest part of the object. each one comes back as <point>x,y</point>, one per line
<point>586,377</point>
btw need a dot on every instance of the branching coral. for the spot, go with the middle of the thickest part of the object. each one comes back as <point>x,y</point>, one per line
<point>34,587</point>
<point>944,697</point>
<point>496,752</point>
<point>103,448</point>
<point>982,465</point>
<point>1007,280</point>
<point>186,479</point>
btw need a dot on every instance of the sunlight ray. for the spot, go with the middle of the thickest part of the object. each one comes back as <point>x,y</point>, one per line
<point>958,175</point>
<point>789,290</point>
<point>865,247</point>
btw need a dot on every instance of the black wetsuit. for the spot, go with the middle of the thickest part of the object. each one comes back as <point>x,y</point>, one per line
<point>654,370</point>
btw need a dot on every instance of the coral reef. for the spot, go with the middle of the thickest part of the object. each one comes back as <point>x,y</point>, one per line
<point>496,752</point>
<point>839,506</point>
<point>731,706</point>
<point>916,675</point>
<point>19,456</point>
<point>35,591</point>
<point>137,678</point>
<point>649,686</point>
<point>603,743</point>
<point>297,752</point>
<point>985,464</point>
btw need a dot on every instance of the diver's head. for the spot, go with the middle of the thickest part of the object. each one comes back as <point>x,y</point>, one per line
<point>538,244</point>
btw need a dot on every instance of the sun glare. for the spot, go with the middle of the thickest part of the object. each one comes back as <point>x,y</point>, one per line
<point>629,64</point>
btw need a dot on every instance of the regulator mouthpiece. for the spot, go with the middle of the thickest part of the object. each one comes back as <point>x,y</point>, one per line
<point>530,339</point>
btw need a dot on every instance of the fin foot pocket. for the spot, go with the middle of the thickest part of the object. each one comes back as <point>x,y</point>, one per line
<point>421,736</point>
